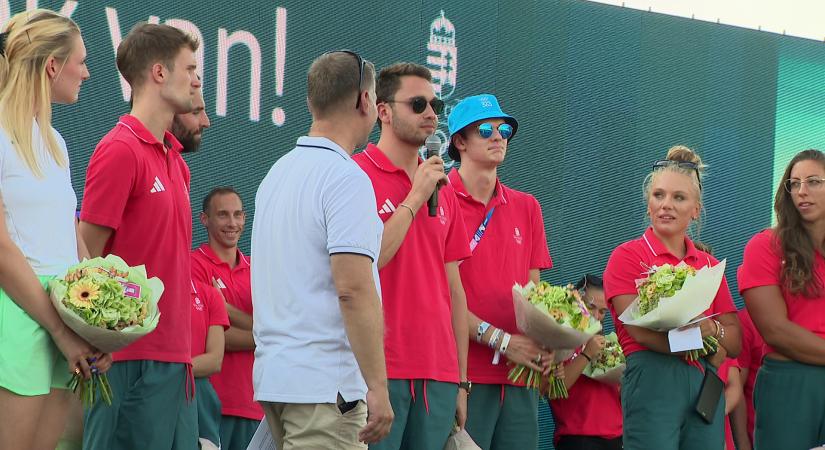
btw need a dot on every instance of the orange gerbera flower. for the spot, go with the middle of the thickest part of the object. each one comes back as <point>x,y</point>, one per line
<point>83,293</point>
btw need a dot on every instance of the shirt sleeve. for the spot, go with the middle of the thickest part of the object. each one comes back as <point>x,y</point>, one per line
<point>215,306</point>
<point>539,255</point>
<point>110,181</point>
<point>352,223</point>
<point>761,263</point>
<point>200,273</point>
<point>458,243</point>
<point>621,273</point>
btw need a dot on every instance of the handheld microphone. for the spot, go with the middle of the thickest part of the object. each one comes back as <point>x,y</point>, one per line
<point>433,144</point>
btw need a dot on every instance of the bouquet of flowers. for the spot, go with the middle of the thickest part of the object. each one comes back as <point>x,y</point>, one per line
<point>672,296</point>
<point>555,317</point>
<point>609,365</point>
<point>110,305</point>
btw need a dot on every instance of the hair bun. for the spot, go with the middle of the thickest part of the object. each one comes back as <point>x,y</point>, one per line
<point>682,153</point>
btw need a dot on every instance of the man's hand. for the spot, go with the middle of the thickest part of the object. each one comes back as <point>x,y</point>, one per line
<point>379,417</point>
<point>523,350</point>
<point>461,408</point>
<point>427,175</point>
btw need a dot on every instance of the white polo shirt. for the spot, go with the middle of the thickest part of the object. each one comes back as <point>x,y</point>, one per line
<point>39,211</point>
<point>314,202</point>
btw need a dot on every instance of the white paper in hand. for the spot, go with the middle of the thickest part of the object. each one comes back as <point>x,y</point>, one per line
<point>682,340</point>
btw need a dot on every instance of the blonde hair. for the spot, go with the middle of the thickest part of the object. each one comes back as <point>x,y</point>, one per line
<point>681,153</point>
<point>33,38</point>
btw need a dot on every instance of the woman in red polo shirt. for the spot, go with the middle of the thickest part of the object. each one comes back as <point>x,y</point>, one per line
<point>659,388</point>
<point>781,279</point>
<point>590,418</point>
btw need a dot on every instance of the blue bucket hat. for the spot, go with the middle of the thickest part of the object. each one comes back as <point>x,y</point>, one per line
<point>472,109</point>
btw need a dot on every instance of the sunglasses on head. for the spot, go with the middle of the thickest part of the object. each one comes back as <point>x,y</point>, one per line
<point>419,104</point>
<point>361,64</point>
<point>662,163</point>
<point>485,130</point>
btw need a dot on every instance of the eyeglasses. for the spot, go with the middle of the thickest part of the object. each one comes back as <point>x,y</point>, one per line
<point>419,104</point>
<point>361,64</point>
<point>485,130</point>
<point>814,184</point>
<point>662,163</point>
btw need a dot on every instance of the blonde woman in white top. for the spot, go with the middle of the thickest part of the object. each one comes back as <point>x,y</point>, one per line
<point>42,61</point>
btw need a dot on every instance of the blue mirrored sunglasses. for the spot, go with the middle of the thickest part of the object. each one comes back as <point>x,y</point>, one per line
<point>485,130</point>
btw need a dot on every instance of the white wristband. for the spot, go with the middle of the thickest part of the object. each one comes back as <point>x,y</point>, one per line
<point>504,342</point>
<point>482,328</point>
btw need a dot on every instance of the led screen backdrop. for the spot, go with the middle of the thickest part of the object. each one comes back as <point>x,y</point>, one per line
<point>600,92</point>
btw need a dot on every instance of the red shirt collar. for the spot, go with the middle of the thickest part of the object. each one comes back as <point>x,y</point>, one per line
<point>657,248</point>
<point>205,249</point>
<point>380,160</point>
<point>458,186</point>
<point>140,131</point>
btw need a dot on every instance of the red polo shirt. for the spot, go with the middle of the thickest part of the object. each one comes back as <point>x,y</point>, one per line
<point>141,192</point>
<point>627,264</point>
<point>513,243</point>
<point>233,383</point>
<point>762,266</point>
<point>419,341</point>
<point>208,309</point>
<point>751,357</point>
<point>592,408</point>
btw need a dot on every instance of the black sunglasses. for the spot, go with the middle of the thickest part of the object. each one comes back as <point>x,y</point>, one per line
<point>419,104</point>
<point>361,64</point>
<point>680,164</point>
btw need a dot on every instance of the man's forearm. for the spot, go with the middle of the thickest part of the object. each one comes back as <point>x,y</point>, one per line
<point>238,340</point>
<point>364,323</point>
<point>462,344</point>
<point>238,318</point>
<point>395,230</point>
<point>95,237</point>
<point>460,322</point>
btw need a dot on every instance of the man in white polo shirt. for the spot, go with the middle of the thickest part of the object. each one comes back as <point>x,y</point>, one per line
<point>318,325</point>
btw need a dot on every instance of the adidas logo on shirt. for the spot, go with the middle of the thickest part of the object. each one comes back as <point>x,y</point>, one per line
<point>388,207</point>
<point>157,187</point>
<point>220,284</point>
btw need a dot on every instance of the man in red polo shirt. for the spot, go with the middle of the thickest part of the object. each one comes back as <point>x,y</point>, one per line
<point>220,263</point>
<point>425,311</point>
<point>509,246</point>
<point>136,206</point>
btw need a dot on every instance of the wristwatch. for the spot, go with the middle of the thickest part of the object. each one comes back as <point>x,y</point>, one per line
<point>466,385</point>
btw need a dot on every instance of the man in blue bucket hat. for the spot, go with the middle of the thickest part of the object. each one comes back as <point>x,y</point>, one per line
<point>508,245</point>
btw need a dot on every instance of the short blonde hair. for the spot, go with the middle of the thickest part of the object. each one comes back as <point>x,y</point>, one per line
<point>32,38</point>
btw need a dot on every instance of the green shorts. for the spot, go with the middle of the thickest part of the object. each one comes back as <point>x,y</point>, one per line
<point>209,412</point>
<point>236,432</point>
<point>424,415</point>
<point>149,409</point>
<point>30,363</point>
<point>659,394</point>
<point>789,398</point>
<point>501,416</point>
